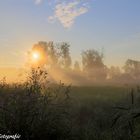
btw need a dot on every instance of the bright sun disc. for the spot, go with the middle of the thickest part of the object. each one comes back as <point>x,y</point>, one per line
<point>35,55</point>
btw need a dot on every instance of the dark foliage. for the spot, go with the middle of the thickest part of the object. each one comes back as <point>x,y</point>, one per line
<point>38,109</point>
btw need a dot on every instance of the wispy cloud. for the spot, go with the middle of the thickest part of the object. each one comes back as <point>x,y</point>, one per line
<point>66,12</point>
<point>38,2</point>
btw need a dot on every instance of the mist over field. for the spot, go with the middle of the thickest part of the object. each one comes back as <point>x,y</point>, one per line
<point>70,69</point>
<point>90,70</point>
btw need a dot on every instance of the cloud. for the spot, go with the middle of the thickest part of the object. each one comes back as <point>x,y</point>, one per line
<point>38,2</point>
<point>66,12</point>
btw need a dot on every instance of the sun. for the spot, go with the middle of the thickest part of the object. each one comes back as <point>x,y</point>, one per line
<point>35,56</point>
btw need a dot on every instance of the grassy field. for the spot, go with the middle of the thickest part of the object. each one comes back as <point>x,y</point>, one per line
<point>98,93</point>
<point>107,112</point>
<point>59,112</point>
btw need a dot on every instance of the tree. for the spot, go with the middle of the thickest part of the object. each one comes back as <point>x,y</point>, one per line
<point>114,72</point>
<point>53,54</point>
<point>93,64</point>
<point>92,59</point>
<point>76,66</point>
<point>132,67</point>
<point>65,55</point>
<point>48,53</point>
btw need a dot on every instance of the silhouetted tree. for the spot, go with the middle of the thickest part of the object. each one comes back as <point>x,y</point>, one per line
<point>93,64</point>
<point>40,47</point>
<point>76,66</point>
<point>132,67</point>
<point>48,53</point>
<point>53,54</point>
<point>114,72</point>
<point>92,59</point>
<point>65,55</point>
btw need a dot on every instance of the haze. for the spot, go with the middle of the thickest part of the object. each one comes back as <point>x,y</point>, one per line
<point>111,27</point>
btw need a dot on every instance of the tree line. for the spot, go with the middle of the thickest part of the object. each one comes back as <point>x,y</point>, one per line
<point>57,56</point>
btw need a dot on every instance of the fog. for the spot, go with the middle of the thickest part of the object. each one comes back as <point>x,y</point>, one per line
<point>56,59</point>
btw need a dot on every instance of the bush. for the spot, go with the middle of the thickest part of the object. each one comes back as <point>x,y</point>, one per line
<point>35,109</point>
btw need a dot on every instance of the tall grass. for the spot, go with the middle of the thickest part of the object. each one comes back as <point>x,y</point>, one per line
<point>39,109</point>
<point>34,109</point>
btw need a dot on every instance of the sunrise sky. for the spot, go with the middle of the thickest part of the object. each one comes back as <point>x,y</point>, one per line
<point>109,25</point>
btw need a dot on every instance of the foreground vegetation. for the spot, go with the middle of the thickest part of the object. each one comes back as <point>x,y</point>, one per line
<point>40,110</point>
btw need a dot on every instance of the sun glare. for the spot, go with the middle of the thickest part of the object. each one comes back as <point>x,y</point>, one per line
<point>35,55</point>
